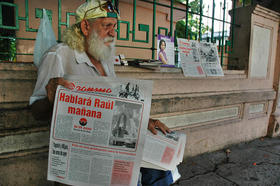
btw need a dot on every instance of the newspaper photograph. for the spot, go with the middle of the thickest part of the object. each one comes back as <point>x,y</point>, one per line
<point>98,130</point>
<point>170,150</point>
<point>199,59</point>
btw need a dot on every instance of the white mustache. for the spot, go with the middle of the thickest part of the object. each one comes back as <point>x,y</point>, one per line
<point>109,39</point>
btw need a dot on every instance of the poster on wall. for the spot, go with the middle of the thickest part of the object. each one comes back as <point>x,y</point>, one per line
<point>165,50</point>
<point>199,59</point>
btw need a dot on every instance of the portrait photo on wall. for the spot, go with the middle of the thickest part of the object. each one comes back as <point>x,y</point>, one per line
<point>165,50</point>
<point>125,124</point>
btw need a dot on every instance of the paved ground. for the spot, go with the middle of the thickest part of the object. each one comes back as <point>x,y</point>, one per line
<point>252,163</point>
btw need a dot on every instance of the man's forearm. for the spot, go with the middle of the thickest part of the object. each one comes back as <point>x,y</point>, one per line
<point>41,109</point>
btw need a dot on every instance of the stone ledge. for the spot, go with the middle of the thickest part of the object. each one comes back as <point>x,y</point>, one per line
<point>164,73</point>
<point>19,75</point>
<point>16,90</point>
<point>19,118</point>
<point>184,102</point>
<point>24,140</point>
<point>17,66</point>
<point>28,71</point>
<point>15,115</point>
<point>266,13</point>
<point>23,153</point>
<point>202,118</point>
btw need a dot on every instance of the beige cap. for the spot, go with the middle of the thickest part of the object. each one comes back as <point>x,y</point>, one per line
<point>95,9</point>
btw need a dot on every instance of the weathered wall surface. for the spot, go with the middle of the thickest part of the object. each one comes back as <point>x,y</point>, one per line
<point>214,112</point>
<point>144,15</point>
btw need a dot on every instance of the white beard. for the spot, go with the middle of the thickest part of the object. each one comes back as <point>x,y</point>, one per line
<point>100,51</point>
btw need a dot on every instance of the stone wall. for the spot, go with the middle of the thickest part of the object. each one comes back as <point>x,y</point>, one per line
<point>211,119</point>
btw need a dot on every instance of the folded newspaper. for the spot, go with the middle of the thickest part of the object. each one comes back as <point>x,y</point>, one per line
<point>169,150</point>
<point>98,130</point>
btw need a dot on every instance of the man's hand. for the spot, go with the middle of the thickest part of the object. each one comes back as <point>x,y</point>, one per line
<point>42,108</point>
<point>154,124</point>
<point>52,85</point>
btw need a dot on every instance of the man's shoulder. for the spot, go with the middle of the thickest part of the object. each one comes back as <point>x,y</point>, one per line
<point>61,51</point>
<point>60,47</point>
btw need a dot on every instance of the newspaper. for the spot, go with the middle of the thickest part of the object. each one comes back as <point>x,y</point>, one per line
<point>199,59</point>
<point>169,150</point>
<point>210,59</point>
<point>98,130</point>
<point>190,58</point>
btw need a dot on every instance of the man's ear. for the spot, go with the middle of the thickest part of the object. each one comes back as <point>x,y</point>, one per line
<point>85,27</point>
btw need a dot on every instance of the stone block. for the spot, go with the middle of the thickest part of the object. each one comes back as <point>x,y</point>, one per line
<point>19,118</point>
<point>25,170</point>
<point>24,140</point>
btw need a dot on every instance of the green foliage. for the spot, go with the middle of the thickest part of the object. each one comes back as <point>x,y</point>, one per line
<point>193,22</point>
<point>180,1</point>
<point>246,2</point>
<point>8,49</point>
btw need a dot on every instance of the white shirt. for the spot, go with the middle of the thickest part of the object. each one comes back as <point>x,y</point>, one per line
<point>61,60</point>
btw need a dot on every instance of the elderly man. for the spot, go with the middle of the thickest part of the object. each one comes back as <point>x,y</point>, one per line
<point>87,49</point>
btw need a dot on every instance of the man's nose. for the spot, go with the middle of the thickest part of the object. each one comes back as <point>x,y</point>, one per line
<point>112,32</point>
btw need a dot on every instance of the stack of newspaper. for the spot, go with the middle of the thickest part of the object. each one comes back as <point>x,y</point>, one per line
<point>169,150</point>
<point>145,63</point>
